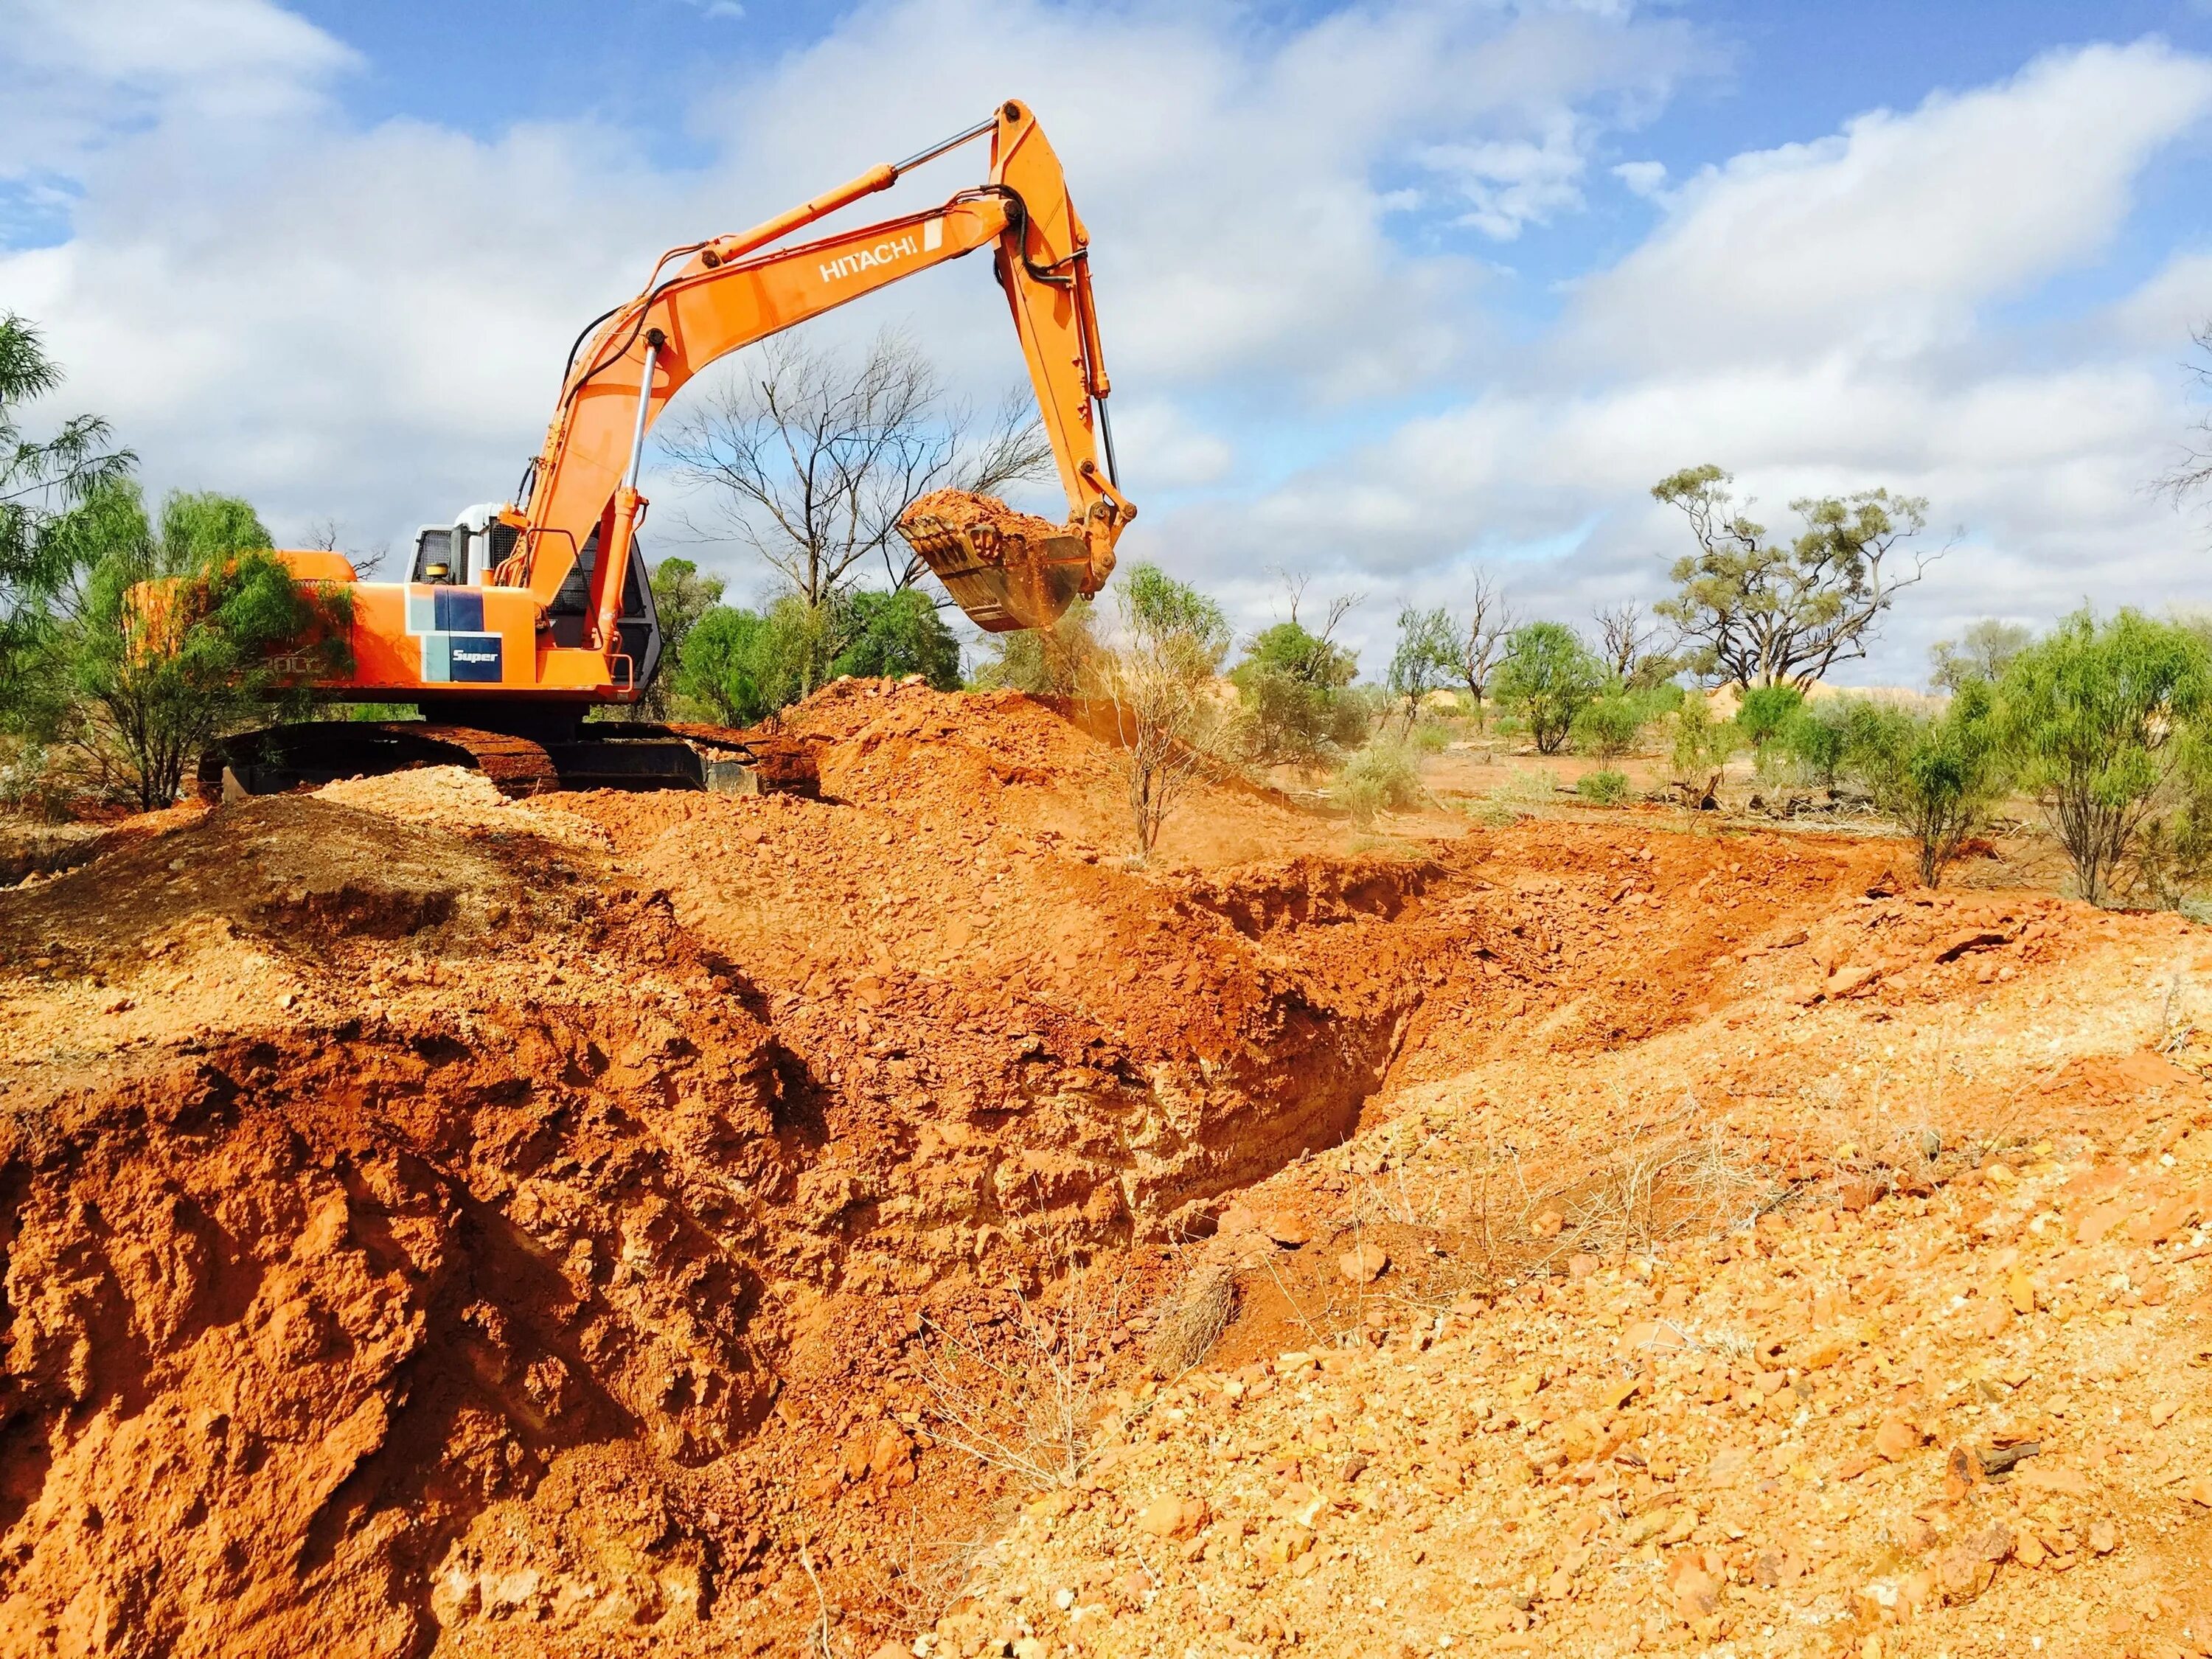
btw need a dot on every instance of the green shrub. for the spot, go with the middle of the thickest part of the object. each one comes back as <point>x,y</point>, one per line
<point>1765,712</point>
<point>1698,747</point>
<point>1297,705</point>
<point>1431,737</point>
<point>1382,777</point>
<point>1607,726</point>
<point>1814,738</point>
<point>2105,722</point>
<point>1604,788</point>
<point>1936,778</point>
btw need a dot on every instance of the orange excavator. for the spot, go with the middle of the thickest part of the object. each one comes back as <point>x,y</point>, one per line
<point>518,619</point>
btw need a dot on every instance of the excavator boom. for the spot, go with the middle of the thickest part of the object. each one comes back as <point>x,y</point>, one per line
<point>732,291</point>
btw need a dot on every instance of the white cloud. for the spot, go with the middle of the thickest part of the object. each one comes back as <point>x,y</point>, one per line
<point>1812,318</point>
<point>76,73</point>
<point>1646,178</point>
<point>1158,441</point>
<point>1512,183</point>
<point>1886,237</point>
<point>370,323</point>
<point>2172,305</point>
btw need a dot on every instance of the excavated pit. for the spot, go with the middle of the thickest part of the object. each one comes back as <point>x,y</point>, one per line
<point>433,1222</point>
<point>379,1161</point>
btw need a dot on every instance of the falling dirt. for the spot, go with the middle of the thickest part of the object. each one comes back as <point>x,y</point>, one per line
<point>436,1222</point>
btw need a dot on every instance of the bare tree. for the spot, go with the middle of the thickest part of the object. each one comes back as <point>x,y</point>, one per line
<point>1295,583</point>
<point>810,460</point>
<point>2193,474</point>
<point>1481,643</point>
<point>1630,643</point>
<point>1626,636</point>
<point>327,534</point>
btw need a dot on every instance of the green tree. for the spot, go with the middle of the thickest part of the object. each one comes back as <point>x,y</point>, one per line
<point>42,482</point>
<point>1161,611</point>
<point>1428,655</point>
<point>1289,648</point>
<point>681,595</point>
<point>2105,724</point>
<point>743,665</point>
<point>187,628</point>
<point>1548,674</point>
<point>1982,652</point>
<point>1698,747</point>
<point>1159,686</point>
<point>1936,778</point>
<point>1752,611</point>
<point>891,636</point>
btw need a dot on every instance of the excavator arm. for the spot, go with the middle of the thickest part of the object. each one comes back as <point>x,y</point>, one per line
<point>710,298</point>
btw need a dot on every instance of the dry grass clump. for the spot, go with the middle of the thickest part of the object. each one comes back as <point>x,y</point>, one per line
<point>1023,1399</point>
<point>1659,1181</point>
<point>1191,1321</point>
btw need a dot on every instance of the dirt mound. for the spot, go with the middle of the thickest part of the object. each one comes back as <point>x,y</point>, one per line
<point>431,1194</point>
<point>1046,767</point>
<point>29,847</point>
<point>455,797</point>
<point>268,1299</point>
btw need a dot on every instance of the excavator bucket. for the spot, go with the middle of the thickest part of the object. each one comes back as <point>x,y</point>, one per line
<point>1007,570</point>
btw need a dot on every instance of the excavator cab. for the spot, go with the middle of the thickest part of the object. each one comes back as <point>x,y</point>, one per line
<point>465,553</point>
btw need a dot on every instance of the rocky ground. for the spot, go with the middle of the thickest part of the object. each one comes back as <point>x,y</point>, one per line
<point>605,1224</point>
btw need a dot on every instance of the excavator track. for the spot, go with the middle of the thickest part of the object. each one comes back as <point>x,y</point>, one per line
<point>517,765</point>
<point>601,754</point>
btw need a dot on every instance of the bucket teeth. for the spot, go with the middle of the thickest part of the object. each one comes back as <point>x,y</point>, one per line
<point>1003,581</point>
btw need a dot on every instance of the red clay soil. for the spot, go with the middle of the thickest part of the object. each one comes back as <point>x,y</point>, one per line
<point>964,510</point>
<point>438,1223</point>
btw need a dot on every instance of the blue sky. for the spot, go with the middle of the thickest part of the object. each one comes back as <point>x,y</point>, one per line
<point>1390,290</point>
